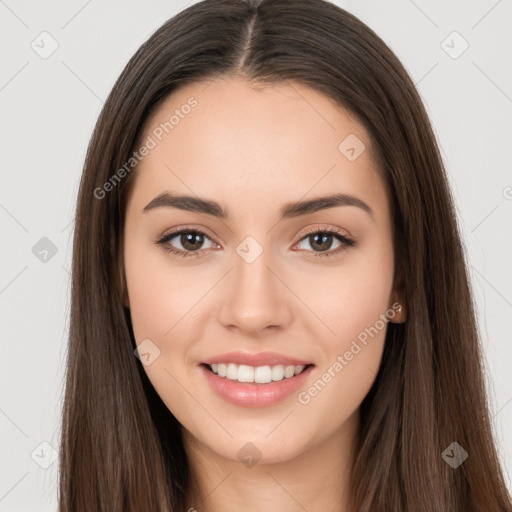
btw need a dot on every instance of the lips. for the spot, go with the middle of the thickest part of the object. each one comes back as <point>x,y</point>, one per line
<point>255,360</point>
<point>244,394</point>
<point>255,380</point>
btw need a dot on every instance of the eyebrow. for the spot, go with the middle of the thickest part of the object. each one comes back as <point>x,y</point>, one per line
<point>289,210</point>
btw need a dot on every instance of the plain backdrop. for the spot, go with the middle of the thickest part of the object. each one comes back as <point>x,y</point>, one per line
<point>458,53</point>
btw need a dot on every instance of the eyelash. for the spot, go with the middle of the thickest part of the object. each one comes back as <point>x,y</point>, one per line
<point>345,241</point>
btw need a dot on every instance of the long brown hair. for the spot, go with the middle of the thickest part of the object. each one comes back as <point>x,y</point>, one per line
<point>121,447</point>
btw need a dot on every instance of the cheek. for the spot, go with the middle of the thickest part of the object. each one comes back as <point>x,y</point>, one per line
<point>167,300</point>
<point>355,313</point>
<point>161,299</point>
<point>353,298</point>
<point>150,302</point>
<point>160,293</point>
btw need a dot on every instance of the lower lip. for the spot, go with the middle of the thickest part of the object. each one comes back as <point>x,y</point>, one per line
<point>249,394</point>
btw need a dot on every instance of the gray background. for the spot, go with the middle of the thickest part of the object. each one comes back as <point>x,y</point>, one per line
<point>49,107</point>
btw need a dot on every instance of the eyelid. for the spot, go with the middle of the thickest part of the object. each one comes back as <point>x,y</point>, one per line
<point>326,227</point>
<point>187,229</point>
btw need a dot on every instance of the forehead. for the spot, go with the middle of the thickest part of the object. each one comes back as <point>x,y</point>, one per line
<point>242,142</point>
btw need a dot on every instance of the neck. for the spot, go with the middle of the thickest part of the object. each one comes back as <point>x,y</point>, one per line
<point>317,478</point>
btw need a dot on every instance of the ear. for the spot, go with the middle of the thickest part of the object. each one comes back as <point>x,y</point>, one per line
<point>397,307</point>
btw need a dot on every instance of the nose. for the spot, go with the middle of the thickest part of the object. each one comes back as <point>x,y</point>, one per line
<point>255,299</point>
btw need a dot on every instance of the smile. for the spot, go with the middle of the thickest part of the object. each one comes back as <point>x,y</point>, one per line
<point>258,375</point>
<point>251,393</point>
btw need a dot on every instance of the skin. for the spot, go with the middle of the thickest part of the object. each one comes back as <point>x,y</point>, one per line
<point>254,148</point>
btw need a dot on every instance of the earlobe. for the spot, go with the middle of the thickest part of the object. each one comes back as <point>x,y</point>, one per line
<point>398,311</point>
<point>401,313</point>
<point>397,308</point>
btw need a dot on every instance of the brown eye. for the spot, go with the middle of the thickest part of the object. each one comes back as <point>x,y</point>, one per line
<point>321,241</point>
<point>191,241</point>
<point>187,242</point>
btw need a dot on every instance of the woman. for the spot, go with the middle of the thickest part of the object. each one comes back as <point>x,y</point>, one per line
<point>319,351</point>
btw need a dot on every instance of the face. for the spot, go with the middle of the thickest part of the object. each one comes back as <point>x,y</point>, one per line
<point>269,285</point>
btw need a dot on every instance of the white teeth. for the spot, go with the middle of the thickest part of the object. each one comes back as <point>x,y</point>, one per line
<point>289,371</point>
<point>232,371</point>
<point>263,375</point>
<point>278,372</point>
<point>260,374</point>
<point>245,373</point>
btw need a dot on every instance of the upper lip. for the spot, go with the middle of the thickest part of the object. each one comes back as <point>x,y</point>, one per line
<point>260,359</point>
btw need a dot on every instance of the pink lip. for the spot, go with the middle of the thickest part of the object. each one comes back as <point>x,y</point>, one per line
<point>261,359</point>
<point>249,394</point>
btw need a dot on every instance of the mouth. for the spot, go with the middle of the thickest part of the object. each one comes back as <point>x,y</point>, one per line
<point>247,374</point>
<point>255,386</point>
